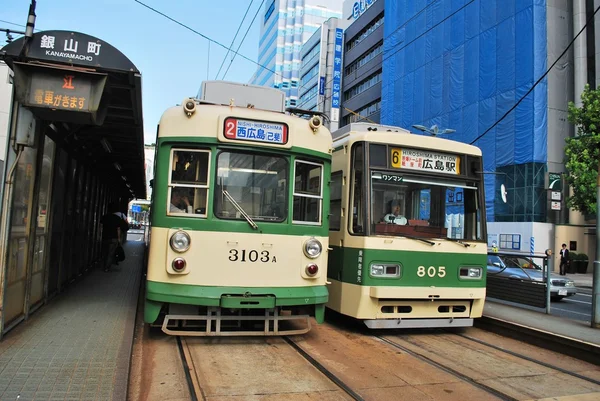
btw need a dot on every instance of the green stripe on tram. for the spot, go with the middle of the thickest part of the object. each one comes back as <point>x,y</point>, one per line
<point>215,296</point>
<point>343,265</point>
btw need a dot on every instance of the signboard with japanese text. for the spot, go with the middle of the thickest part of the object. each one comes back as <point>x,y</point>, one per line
<point>321,85</point>
<point>424,160</point>
<point>360,7</point>
<point>555,205</point>
<point>73,48</point>
<point>336,89</point>
<point>58,88</point>
<point>255,131</point>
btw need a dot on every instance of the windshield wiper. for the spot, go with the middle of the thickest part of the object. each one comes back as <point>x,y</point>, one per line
<point>457,241</point>
<point>240,209</point>
<point>417,238</point>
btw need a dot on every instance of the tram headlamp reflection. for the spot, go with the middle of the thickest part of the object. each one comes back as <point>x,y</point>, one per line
<point>385,270</point>
<point>312,248</point>
<point>473,273</point>
<point>180,241</point>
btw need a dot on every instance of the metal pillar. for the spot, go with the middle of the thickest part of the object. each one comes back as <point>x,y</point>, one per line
<point>596,276</point>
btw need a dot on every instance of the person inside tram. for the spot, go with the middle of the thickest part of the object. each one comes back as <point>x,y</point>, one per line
<point>395,217</point>
<point>180,202</point>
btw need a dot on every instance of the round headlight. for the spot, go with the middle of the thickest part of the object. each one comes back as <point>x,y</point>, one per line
<point>312,248</point>
<point>180,241</point>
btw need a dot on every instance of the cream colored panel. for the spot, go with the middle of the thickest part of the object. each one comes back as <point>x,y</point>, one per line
<point>216,259</point>
<point>427,292</point>
<point>398,243</point>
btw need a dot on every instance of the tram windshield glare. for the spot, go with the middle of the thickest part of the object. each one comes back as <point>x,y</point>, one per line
<point>258,183</point>
<point>424,207</point>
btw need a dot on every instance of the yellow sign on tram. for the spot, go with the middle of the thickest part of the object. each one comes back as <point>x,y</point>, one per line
<point>424,160</point>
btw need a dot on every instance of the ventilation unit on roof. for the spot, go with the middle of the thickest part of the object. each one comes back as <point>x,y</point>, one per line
<point>242,95</point>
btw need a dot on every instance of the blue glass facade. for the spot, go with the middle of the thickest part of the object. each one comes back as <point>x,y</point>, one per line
<point>462,64</point>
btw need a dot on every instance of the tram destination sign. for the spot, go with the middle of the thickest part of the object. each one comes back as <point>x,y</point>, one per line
<point>424,160</point>
<point>256,131</point>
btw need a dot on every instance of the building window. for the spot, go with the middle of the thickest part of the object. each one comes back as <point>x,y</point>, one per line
<point>363,112</point>
<point>364,33</point>
<point>294,83</point>
<point>309,94</point>
<point>368,56</point>
<point>292,102</point>
<point>316,49</point>
<point>363,85</point>
<point>269,12</point>
<point>510,241</point>
<point>308,76</point>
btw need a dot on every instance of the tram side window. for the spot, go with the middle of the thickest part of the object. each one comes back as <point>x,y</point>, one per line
<point>357,222</point>
<point>308,192</point>
<point>336,201</point>
<point>188,182</point>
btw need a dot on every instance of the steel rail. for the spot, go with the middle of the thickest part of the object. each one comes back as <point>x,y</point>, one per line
<point>329,374</point>
<point>446,369</point>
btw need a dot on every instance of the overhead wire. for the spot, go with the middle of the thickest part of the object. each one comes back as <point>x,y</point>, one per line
<point>234,38</point>
<point>385,58</point>
<point>405,23</point>
<point>204,36</point>
<point>540,79</point>
<point>244,38</point>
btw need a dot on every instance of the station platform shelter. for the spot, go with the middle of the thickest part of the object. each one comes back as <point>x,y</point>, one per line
<point>74,145</point>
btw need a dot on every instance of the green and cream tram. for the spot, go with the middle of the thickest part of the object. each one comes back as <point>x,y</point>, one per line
<point>407,229</point>
<point>239,227</point>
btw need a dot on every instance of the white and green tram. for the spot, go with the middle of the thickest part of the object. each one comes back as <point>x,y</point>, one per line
<point>239,224</point>
<point>407,229</point>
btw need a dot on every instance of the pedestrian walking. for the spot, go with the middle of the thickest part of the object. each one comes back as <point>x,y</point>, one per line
<point>564,259</point>
<point>112,228</point>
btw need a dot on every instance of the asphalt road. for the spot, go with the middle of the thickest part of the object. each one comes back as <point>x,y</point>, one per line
<point>577,307</point>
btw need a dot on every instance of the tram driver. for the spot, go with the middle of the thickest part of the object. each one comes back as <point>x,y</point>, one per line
<point>178,200</point>
<point>395,217</point>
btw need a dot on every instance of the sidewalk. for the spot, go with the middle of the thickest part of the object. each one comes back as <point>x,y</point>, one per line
<point>77,347</point>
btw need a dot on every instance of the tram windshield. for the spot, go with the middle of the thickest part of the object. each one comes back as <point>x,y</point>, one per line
<point>257,183</point>
<point>424,207</point>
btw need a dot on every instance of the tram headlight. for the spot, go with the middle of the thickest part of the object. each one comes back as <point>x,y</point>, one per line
<point>385,270</point>
<point>312,248</point>
<point>470,273</point>
<point>180,241</point>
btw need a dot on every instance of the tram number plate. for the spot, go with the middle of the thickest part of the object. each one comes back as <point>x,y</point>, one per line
<point>252,255</point>
<point>562,292</point>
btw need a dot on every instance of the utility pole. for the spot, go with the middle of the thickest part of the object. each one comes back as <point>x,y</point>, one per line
<point>596,274</point>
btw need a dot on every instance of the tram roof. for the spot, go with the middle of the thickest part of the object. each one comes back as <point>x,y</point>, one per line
<point>109,139</point>
<point>398,136</point>
<point>175,123</point>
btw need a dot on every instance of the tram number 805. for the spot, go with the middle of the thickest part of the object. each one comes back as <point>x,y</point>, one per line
<point>431,271</point>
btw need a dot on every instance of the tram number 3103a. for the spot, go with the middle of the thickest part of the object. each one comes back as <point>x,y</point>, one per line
<point>431,271</point>
<point>242,255</point>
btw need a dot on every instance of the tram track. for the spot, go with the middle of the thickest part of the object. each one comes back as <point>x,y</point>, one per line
<point>447,369</point>
<point>197,392</point>
<point>328,373</point>
<point>530,359</point>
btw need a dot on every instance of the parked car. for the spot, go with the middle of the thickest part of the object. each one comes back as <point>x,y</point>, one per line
<point>524,268</point>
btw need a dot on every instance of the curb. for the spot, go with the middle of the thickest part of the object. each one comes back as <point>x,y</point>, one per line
<point>573,347</point>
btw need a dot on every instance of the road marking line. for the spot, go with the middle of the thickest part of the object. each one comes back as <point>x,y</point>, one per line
<point>584,295</point>
<point>577,313</point>
<point>574,300</point>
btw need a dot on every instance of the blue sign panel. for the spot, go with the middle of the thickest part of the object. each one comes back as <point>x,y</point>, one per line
<point>321,85</point>
<point>337,69</point>
<point>360,7</point>
<point>136,208</point>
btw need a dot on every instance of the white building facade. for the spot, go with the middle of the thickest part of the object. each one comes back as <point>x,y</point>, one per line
<point>286,26</point>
